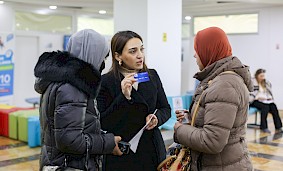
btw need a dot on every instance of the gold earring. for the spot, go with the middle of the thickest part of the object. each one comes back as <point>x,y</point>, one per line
<point>120,62</point>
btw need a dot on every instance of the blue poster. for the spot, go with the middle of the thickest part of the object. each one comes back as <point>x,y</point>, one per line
<point>65,41</point>
<point>6,79</point>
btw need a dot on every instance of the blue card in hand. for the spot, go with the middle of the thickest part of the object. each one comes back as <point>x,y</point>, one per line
<point>141,77</point>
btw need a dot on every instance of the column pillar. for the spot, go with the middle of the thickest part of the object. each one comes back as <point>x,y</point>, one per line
<point>6,18</point>
<point>159,23</point>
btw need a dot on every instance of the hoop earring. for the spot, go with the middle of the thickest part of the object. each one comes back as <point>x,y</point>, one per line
<point>120,62</point>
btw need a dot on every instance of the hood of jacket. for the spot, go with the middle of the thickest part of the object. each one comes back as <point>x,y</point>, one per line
<point>63,67</point>
<point>231,63</point>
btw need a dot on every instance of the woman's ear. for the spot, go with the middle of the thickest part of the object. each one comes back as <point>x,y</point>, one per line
<point>117,57</point>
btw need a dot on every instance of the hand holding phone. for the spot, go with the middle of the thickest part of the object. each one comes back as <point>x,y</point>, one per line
<point>181,115</point>
<point>124,147</point>
<point>116,150</point>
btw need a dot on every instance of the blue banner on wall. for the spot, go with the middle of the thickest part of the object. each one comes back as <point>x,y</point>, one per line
<point>7,57</point>
<point>65,42</point>
<point>6,79</point>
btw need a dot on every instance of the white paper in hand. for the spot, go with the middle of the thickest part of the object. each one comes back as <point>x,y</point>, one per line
<point>136,139</point>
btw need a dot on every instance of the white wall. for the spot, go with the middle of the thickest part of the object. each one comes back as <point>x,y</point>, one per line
<point>29,46</point>
<point>190,65</point>
<point>258,50</point>
<point>165,56</point>
<point>151,19</point>
<point>50,42</point>
<point>131,15</point>
<point>6,18</point>
<point>26,54</point>
<point>185,67</point>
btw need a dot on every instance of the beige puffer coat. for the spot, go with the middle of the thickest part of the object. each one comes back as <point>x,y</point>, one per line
<point>218,138</point>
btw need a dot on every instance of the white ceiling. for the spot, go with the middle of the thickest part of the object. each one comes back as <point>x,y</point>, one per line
<point>190,7</point>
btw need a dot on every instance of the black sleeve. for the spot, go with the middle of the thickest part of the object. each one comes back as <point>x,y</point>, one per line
<point>109,103</point>
<point>69,114</point>
<point>164,109</point>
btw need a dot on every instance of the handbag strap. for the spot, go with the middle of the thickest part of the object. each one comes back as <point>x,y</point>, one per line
<point>196,110</point>
<point>195,113</point>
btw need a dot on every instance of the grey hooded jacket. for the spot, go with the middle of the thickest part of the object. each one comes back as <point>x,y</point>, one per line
<point>70,122</point>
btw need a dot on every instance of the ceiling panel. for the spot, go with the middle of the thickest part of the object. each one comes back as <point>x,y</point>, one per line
<point>190,7</point>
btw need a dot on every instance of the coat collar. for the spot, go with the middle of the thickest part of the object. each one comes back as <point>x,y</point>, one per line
<point>231,63</point>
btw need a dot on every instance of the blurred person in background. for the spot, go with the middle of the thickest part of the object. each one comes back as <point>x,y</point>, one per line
<point>262,99</point>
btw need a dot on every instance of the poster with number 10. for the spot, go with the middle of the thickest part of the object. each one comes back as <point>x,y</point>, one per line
<point>7,42</point>
<point>6,79</point>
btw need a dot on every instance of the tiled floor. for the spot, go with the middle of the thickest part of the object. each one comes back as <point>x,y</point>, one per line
<point>266,151</point>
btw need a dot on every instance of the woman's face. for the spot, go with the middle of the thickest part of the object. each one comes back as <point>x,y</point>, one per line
<point>200,65</point>
<point>260,77</point>
<point>132,55</point>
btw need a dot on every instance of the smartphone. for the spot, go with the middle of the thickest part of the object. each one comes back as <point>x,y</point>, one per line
<point>185,120</point>
<point>124,147</point>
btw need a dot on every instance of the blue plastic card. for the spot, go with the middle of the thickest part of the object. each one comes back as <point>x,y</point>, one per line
<point>141,77</point>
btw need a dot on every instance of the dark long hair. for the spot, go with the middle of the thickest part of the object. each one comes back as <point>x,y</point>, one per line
<point>259,71</point>
<point>118,43</point>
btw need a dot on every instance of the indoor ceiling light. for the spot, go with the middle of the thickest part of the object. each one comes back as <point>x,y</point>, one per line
<point>42,11</point>
<point>1,2</point>
<point>102,12</point>
<point>188,18</point>
<point>52,7</point>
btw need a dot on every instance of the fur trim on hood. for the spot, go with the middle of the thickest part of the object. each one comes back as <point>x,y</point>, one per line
<point>63,67</point>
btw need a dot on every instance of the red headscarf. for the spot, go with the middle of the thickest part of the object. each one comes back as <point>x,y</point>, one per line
<point>211,45</point>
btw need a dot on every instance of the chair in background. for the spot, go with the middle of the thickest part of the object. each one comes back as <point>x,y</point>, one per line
<point>255,111</point>
<point>34,101</point>
<point>176,102</point>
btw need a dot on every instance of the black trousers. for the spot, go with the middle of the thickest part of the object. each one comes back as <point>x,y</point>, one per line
<point>264,110</point>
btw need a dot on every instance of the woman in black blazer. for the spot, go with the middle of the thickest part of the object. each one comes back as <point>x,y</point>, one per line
<point>126,105</point>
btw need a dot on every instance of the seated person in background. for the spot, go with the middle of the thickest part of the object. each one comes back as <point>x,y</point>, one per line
<point>262,99</point>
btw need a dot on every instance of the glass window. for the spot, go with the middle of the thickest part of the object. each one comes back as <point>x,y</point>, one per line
<point>102,26</point>
<point>231,24</point>
<point>48,23</point>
